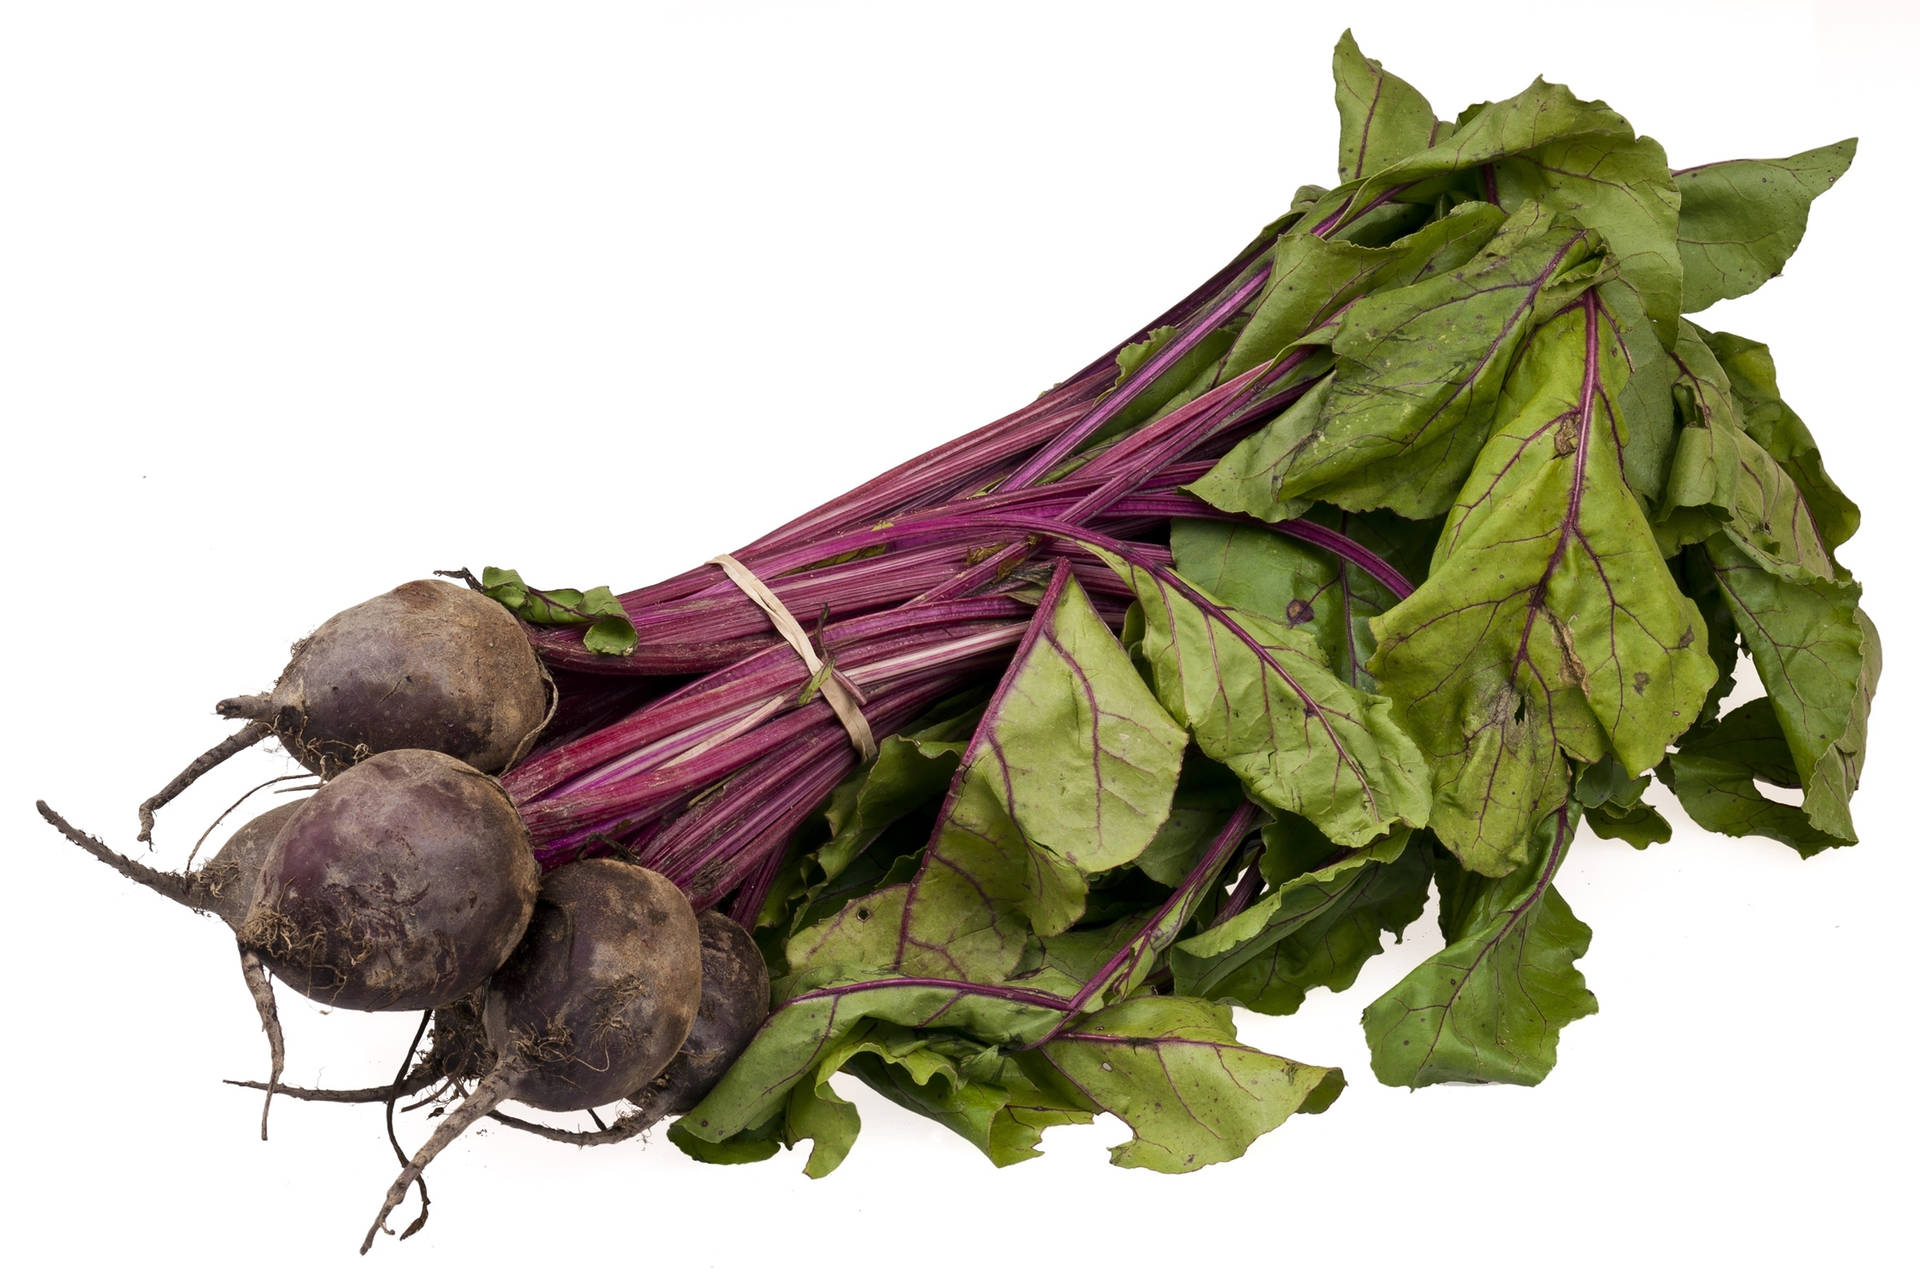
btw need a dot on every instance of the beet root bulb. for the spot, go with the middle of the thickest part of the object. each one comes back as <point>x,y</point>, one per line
<point>603,990</point>
<point>428,665</point>
<point>734,995</point>
<point>599,995</point>
<point>400,885</point>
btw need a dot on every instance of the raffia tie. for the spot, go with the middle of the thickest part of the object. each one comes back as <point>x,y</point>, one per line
<point>840,695</point>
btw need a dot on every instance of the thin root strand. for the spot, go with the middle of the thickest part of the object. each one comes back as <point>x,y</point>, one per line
<point>182,889</point>
<point>485,1097</point>
<point>624,1127</point>
<point>225,751</point>
<point>420,1079</point>
<point>261,987</point>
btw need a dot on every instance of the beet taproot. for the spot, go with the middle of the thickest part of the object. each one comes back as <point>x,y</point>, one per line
<point>428,665</point>
<point>734,996</point>
<point>600,994</point>
<point>402,884</point>
<point>223,887</point>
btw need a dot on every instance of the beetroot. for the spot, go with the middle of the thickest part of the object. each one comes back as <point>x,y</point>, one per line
<point>428,665</point>
<point>230,878</point>
<point>733,1004</point>
<point>599,995</point>
<point>400,885</point>
<point>734,995</point>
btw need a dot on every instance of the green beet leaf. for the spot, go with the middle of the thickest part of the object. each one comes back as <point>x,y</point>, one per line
<point>1417,376</point>
<point>1071,772</point>
<point>1610,801</point>
<point>1261,700</point>
<point>1103,964</point>
<point>813,1017</point>
<point>1314,591</point>
<point>910,771</point>
<point>1542,115</point>
<point>1314,929</point>
<point>1173,1069</point>
<point>609,629</point>
<point>1310,281</point>
<point>1769,421</point>
<point>1382,118</point>
<point>1741,220</point>
<point>1313,279</point>
<point>973,1090</point>
<point>1724,479</point>
<point>1642,398</point>
<point>1549,626</point>
<point>1819,657</point>
<point>1207,794</point>
<point>1491,1005</point>
<point>985,1099</point>
<point>1714,771</point>
<point>1620,187</point>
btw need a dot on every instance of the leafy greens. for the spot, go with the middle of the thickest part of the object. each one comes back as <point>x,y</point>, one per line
<point>1464,526</point>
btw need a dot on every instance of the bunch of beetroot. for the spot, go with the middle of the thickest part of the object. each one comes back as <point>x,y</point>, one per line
<point>1423,529</point>
<point>407,881</point>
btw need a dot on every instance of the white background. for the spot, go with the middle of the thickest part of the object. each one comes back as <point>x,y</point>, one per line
<point>297,302</point>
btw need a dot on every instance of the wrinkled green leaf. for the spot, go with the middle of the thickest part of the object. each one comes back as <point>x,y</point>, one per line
<point>1174,1071</point>
<point>1103,965</point>
<point>1541,115</point>
<point>1071,772</point>
<point>1206,795</point>
<point>1260,700</point>
<point>1819,657</point>
<point>816,1113</point>
<point>1416,380</point>
<point>1714,769</point>
<point>910,772</point>
<point>736,1150</point>
<point>972,1090</point>
<point>609,630</point>
<point>1316,929</point>
<point>1490,1006</point>
<point>813,1017</point>
<point>1549,626</point>
<point>1640,825</point>
<point>1283,577</point>
<point>1312,279</point>
<point>1694,575</point>
<point>1610,801</point>
<point>1771,422</point>
<point>1382,118</point>
<point>1740,220</point>
<point>986,1100</point>
<point>1642,399</point>
<point>1620,187</point>
<point>1729,480</point>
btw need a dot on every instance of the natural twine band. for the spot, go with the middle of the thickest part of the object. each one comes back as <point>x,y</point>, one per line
<point>840,694</point>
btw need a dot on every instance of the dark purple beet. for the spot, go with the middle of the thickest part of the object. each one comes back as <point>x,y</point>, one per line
<point>733,1004</point>
<point>232,877</point>
<point>734,995</point>
<point>602,990</point>
<point>593,1003</point>
<point>400,885</point>
<point>429,665</point>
